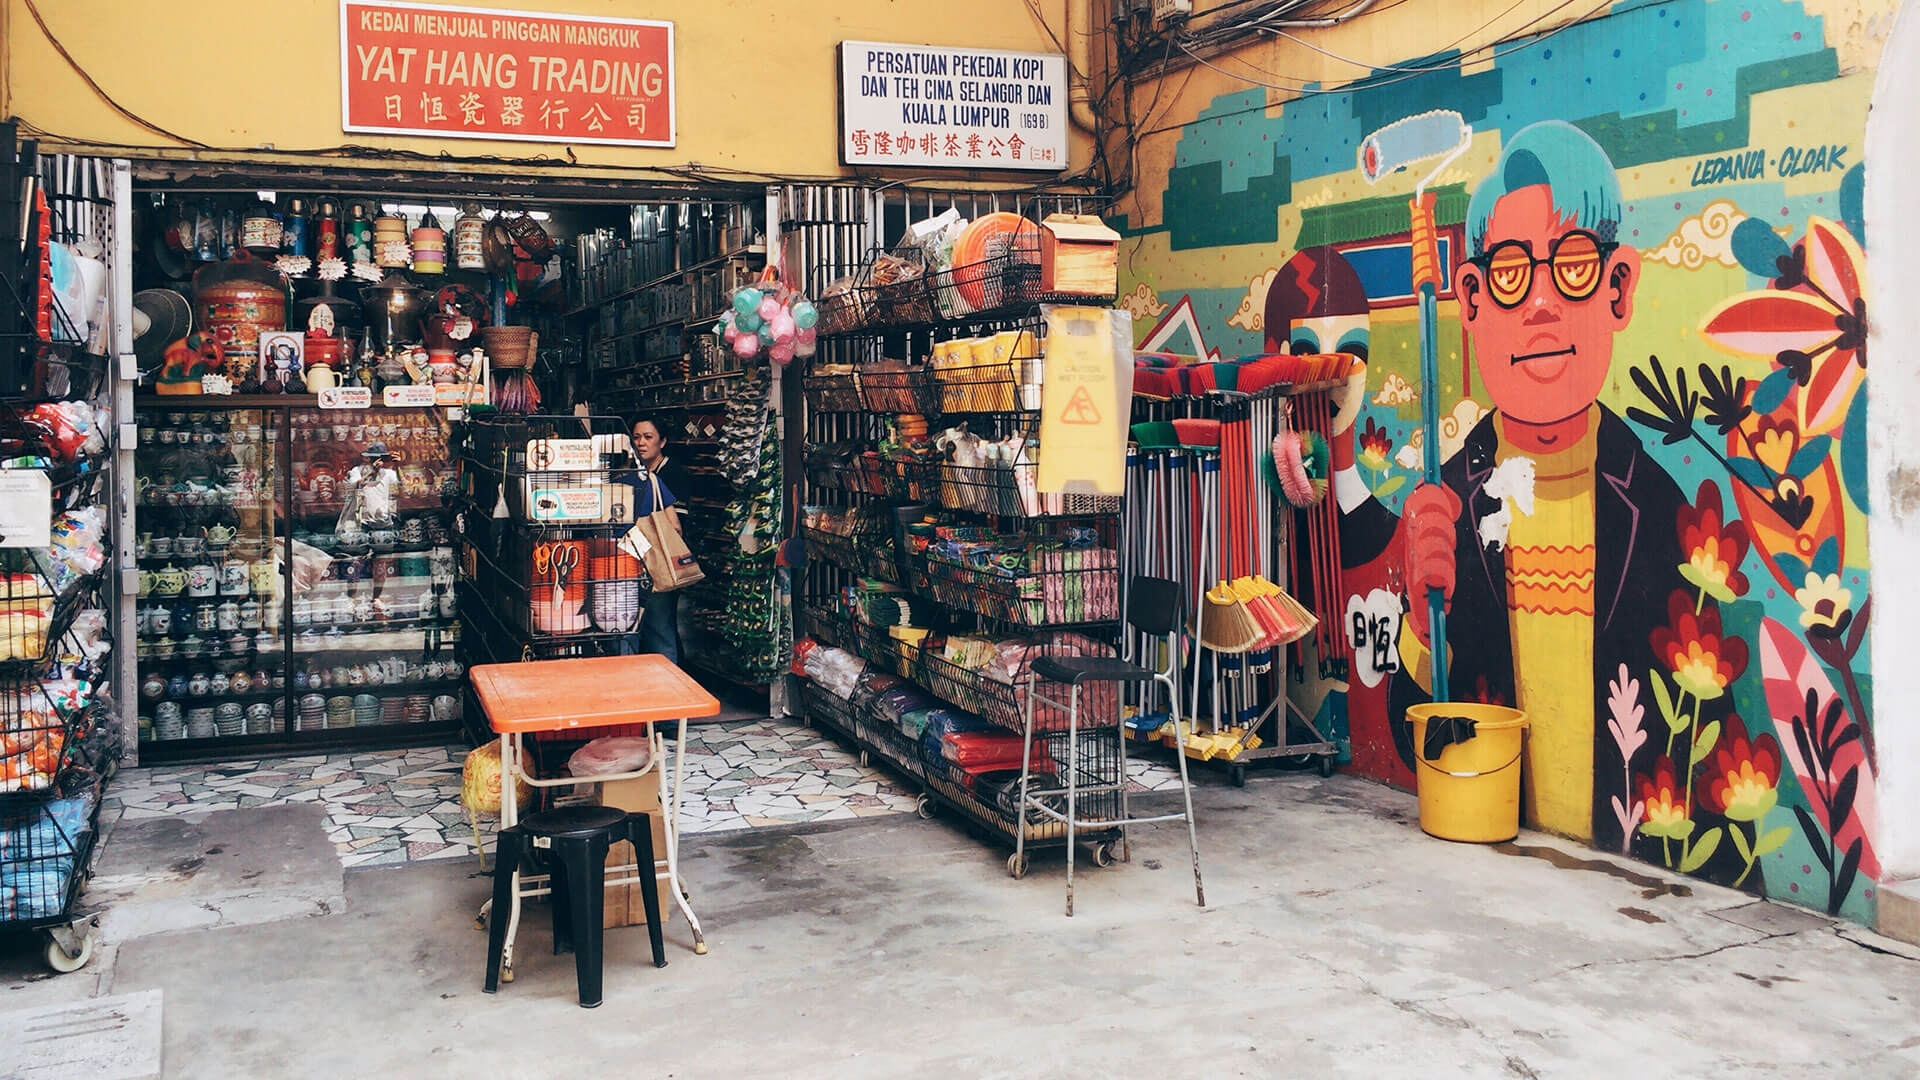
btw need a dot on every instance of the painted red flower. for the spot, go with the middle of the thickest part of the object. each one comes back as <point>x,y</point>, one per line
<point>1742,776</point>
<point>1703,663</point>
<point>1813,323</point>
<point>1714,547</point>
<point>1665,801</point>
<point>1376,449</point>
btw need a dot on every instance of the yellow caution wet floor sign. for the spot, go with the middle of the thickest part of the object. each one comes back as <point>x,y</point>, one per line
<point>1084,401</point>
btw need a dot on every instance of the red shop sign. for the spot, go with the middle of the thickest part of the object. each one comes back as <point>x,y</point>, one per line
<point>461,72</point>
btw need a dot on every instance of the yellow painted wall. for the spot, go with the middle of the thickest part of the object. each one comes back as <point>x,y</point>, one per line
<point>758,82</point>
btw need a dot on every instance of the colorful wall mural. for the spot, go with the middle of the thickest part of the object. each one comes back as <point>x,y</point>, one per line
<point>1652,397</point>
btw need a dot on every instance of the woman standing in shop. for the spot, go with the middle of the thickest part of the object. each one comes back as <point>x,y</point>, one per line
<point>660,621</point>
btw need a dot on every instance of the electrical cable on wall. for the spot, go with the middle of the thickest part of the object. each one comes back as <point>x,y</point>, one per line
<point>104,96</point>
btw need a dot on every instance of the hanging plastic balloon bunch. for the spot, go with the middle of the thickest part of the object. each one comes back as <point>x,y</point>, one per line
<point>769,319</point>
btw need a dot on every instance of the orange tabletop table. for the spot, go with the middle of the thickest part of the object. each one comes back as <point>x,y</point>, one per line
<point>585,693</point>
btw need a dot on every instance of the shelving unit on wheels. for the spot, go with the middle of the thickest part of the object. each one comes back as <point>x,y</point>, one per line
<point>894,528</point>
<point>59,737</point>
<point>541,574</point>
<point>647,305</point>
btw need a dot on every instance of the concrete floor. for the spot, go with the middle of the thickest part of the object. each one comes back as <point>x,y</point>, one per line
<point>1339,940</point>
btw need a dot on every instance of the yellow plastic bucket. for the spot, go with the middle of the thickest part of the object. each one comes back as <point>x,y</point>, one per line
<point>1471,793</point>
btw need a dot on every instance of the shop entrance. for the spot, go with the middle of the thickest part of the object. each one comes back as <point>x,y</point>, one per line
<point>296,518</point>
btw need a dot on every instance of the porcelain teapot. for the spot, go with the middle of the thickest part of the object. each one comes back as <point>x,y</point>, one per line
<point>321,377</point>
<point>169,580</point>
<point>219,536</point>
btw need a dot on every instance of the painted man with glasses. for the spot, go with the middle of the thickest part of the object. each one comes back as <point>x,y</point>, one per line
<point>1557,565</point>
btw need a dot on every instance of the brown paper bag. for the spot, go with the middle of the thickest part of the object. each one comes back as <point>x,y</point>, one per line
<point>669,561</point>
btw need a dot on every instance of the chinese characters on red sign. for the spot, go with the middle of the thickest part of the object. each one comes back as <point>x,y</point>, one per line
<point>941,106</point>
<point>416,69</point>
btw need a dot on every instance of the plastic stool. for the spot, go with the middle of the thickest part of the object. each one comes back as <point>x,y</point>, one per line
<point>577,839</point>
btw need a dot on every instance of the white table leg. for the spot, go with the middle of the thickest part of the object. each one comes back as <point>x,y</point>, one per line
<point>509,817</point>
<point>673,838</point>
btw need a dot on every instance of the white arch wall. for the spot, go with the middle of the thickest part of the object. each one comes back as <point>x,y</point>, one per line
<point>1893,425</point>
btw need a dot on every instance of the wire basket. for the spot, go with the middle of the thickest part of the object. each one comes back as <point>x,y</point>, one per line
<point>547,584</point>
<point>44,850</point>
<point>1060,588</point>
<point>892,386</point>
<point>833,391</point>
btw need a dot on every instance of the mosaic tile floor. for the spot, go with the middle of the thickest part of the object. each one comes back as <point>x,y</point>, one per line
<point>394,806</point>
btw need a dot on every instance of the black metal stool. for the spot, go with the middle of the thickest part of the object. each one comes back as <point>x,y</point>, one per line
<point>576,839</point>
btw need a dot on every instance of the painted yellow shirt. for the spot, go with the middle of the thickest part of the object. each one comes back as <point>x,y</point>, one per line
<point>1550,573</point>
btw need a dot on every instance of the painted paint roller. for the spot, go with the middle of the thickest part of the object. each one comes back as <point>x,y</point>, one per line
<point>1399,145</point>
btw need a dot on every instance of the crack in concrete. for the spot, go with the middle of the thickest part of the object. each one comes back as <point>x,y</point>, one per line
<point>1619,962</point>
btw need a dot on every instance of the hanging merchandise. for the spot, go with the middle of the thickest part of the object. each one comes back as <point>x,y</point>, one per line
<point>769,319</point>
<point>260,230</point>
<point>326,229</point>
<point>295,237</point>
<point>469,238</point>
<point>511,350</point>
<point>359,240</point>
<point>429,245</point>
<point>390,248</point>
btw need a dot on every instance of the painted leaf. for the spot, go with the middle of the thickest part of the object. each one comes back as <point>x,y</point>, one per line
<point>1704,740</point>
<point>1771,841</point>
<point>1853,452</point>
<point>1768,322</point>
<point>1816,837</point>
<point>1843,881</point>
<point>1810,455</point>
<point>1701,851</point>
<point>1740,843</point>
<point>1826,558</point>
<point>1836,381</point>
<point>1750,471</point>
<point>1756,246</point>
<point>1834,261</point>
<point>1660,695</point>
<point>1772,390</point>
<point>1788,670</point>
<point>1392,485</point>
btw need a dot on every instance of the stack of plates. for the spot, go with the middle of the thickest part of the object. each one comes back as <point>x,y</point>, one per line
<point>419,708</point>
<point>446,707</point>
<point>230,719</point>
<point>366,710</point>
<point>313,713</point>
<point>259,718</point>
<point>200,723</point>
<point>340,711</point>
<point>169,723</point>
<point>389,711</point>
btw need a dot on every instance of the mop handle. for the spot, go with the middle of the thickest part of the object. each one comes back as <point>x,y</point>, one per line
<point>1426,279</point>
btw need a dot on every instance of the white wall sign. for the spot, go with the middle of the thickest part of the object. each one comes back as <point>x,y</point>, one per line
<point>26,509</point>
<point>952,107</point>
<point>346,397</point>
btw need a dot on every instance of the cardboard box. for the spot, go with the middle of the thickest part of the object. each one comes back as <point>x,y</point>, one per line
<point>1079,255</point>
<point>624,906</point>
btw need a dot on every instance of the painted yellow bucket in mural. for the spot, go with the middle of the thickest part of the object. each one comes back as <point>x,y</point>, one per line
<point>1471,791</point>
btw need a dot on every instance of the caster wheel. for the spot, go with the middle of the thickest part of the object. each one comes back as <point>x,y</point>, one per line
<point>1325,765</point>
<point>1017,866</point>
<point>1103,854</point>
<point>1237,776</point>
<point>924,807</point>
<point>699,948</point>
<point>480,922</point>
<point>506,973</point>
<point>64,962</point>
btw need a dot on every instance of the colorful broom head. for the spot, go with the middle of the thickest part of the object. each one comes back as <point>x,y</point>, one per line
<point>1158,383</point>
<point>1155,435</point>
<point>1195,431</point>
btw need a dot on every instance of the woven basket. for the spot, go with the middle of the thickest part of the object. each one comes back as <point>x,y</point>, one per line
<point>509,346</point>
